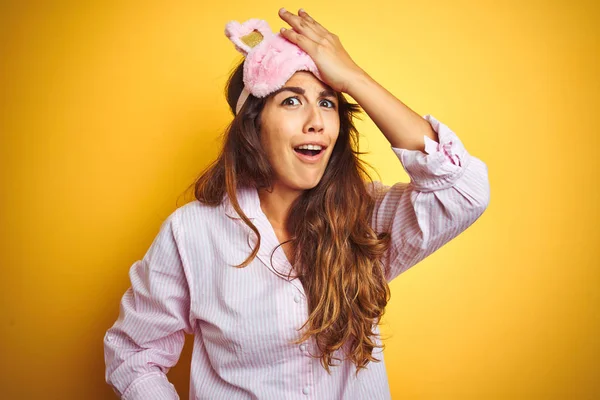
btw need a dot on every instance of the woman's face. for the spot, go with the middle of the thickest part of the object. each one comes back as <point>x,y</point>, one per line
<point>307,112</point>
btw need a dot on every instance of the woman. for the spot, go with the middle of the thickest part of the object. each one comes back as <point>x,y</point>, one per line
<point>281,267</point>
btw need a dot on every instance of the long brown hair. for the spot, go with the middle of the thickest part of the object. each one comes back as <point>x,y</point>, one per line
<point>337,255</point>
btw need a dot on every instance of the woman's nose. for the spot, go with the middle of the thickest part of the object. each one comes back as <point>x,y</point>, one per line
<point>314,119</point>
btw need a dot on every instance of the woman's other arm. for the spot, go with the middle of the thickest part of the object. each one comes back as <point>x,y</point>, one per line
<point>148,336</point>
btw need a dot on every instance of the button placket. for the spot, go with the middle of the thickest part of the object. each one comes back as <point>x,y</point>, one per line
<point>303,346</point>
<point>298,299</point>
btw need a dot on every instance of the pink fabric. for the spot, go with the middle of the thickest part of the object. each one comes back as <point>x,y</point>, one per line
<point>243,319</point>
<point>272,62</point>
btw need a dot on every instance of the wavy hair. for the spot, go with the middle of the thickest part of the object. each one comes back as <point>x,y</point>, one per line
<point>337,255</point>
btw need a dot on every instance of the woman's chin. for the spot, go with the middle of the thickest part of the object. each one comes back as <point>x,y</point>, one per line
<point>310,184</point>
<point>309,181</point>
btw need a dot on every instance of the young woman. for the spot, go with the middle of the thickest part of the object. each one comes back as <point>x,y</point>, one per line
<point>280,268</point>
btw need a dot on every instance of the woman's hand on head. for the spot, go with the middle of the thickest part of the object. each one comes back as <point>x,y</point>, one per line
<point>334,63</point>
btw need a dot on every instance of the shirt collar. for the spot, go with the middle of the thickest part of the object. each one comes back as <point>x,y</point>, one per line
<point>248,200</point>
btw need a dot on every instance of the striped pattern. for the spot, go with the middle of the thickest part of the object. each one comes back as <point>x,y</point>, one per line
<point>243,319</point>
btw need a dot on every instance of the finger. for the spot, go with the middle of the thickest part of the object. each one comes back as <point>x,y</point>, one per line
<point>300,25</point>
<point>302,41</point>
<point>317,26</point>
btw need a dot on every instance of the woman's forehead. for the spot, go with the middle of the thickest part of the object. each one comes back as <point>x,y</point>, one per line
<point>306,80</point>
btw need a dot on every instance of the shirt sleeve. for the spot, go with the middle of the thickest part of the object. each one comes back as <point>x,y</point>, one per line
<point>447,192</point>
<point>149,334</point>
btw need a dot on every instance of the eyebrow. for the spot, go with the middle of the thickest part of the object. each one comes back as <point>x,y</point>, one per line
<point>299,90</point>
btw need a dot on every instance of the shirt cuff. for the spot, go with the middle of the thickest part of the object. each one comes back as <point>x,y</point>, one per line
<point>441,165</point>
<point>152,386</point>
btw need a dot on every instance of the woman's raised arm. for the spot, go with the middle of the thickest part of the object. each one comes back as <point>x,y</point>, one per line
<point>448,191</point>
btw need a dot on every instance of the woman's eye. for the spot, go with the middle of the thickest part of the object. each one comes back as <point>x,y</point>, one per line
<point>330,102</point>
<point>289,98</point>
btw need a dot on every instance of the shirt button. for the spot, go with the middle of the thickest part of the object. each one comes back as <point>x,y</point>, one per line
<point>305,390</point>
<point>303,347</point>
<point>297,299</point>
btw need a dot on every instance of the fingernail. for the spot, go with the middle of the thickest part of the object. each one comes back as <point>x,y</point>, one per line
<point>282,10</point>
<point>302,10</point>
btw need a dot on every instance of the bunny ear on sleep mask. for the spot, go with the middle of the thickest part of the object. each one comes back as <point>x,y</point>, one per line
<point>271,59</point>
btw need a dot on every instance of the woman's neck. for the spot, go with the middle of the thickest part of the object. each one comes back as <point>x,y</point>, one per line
<point>276,205</point>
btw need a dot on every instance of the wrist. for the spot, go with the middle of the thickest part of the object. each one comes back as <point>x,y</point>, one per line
<point>359,80</point>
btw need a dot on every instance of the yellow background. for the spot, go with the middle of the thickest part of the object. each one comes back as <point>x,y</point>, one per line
<point>108,110</point>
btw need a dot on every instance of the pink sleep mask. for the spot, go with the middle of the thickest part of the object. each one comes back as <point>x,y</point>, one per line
<point>270,60</point>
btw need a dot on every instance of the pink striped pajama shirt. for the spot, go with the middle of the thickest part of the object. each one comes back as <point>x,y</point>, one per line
<point>243,319</point>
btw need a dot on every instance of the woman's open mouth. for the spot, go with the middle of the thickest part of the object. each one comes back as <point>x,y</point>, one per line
<point>309,156</point>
